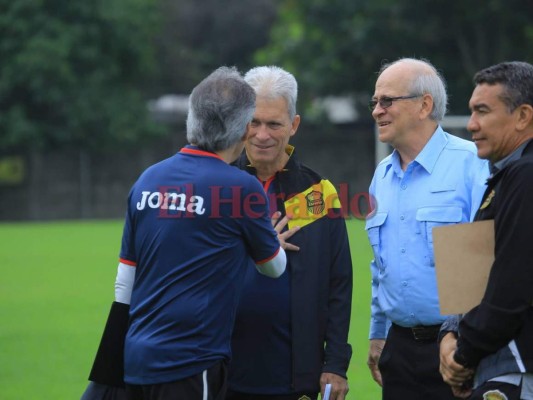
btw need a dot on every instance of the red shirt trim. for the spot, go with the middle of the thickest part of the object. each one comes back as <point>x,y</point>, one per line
<point>269,258</point>
<point>266,184</point>
<point>197,152</point>
<point>128,262</point>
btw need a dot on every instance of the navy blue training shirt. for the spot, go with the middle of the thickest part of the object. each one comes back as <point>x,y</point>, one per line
<point>194,225</point>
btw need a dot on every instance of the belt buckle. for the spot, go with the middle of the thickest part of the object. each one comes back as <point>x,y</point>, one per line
<point>424,333</point>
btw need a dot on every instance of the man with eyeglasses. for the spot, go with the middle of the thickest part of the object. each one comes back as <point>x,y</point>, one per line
<point>431,178</point>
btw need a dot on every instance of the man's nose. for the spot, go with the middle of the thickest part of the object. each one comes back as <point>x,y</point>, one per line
<point>472,125</point>
<point>261,132</point>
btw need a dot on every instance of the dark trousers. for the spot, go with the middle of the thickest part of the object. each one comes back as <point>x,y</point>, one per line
<point>247,396</point>
<point>410,368</point>
<point>511,392</point>
<point>97,391</point>
<point>210,385</point>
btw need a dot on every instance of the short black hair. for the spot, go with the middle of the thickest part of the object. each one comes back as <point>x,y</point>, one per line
<point>515,76</point>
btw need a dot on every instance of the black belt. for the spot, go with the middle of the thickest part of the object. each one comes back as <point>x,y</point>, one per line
<point>421,333</point>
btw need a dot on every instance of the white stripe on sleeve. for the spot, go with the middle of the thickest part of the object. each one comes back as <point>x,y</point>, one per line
<point>274,267</point>
<point>124,283</point>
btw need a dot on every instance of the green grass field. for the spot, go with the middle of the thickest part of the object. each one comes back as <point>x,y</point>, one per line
<point>56,287</point>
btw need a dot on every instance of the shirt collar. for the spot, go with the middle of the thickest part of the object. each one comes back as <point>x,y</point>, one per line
<point>504,162</point>
<point>196,151</point>
<point>427,158</point>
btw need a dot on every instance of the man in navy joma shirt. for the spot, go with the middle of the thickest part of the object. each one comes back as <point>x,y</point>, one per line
<point>193,226</point>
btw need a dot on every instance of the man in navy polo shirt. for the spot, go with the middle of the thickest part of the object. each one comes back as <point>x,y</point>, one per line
<point>194,224</point>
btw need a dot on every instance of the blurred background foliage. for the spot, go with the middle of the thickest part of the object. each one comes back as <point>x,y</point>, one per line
<point>71,72</point>
<point>80,73</point>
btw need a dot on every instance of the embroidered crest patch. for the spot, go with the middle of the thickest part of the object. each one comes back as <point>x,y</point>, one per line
<point>494,395</point>
<point>315,202</point>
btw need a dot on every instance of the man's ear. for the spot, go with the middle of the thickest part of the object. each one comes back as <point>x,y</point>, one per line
<point>427,106</point>
<point>525,117</point>
<point>295,124</point>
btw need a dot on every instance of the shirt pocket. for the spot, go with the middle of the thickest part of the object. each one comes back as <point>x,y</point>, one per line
<point>373,227</point>
<point>430,217</point>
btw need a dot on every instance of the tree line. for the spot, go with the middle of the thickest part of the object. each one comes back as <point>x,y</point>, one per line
<point>80,73</point>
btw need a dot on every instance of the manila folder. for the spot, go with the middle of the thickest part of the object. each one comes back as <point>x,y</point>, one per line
<point>464,254</point>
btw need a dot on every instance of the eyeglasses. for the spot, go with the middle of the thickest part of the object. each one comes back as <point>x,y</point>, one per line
<point>386,102</point>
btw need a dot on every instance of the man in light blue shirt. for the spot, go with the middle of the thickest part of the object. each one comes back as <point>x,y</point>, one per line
<point>431,179</point>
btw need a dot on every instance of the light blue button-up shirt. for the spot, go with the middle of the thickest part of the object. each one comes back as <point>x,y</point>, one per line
<point>443,185</point>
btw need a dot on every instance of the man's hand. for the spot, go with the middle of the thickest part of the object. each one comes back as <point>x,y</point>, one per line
<point>339,386</point>
<point>374,353</point>
<point>282,237</point>
<point>454,374</point>
<point>461,392</point>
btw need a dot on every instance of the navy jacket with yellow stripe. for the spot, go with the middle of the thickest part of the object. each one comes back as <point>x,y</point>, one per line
<point>321,273</point>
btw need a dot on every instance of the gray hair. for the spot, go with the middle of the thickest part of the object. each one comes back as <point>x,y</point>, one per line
<point>272,83</point>
<point>427,81</point>
<point>515,76</point>
<point>220,108</point>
